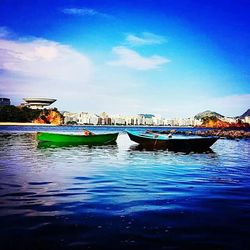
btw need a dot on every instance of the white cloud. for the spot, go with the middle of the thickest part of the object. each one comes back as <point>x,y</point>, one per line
<point>145,38</point>
<point>84,12</point>
<point>42,68</point>
<point>131,59</point>
<point>43,58</point>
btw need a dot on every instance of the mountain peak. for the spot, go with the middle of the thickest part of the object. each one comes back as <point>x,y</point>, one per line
<point>208,113</point>
<point>247,113</point>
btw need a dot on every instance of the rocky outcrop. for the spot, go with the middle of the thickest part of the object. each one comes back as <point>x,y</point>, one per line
<point>49,117</point>
<point>211,119</point>
<point>228,134</point>
<point>214,122</point>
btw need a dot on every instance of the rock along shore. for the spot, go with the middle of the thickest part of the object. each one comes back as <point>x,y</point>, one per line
<point>229,134</point>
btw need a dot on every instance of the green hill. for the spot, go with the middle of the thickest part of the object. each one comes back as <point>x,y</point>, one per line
<point>208,113</point>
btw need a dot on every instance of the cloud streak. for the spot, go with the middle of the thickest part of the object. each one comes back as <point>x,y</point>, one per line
<point>145,38</point>
<point>84,12</point>
<point>131,59</point>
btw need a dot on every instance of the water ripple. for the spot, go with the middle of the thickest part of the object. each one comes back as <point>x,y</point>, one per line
<point>118,196</point>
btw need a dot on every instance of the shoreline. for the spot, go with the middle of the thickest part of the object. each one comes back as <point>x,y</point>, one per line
<point>86,125</point>
<point>226,133</point>
<point>103,125</point>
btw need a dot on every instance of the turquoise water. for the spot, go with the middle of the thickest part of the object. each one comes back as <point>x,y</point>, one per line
<point>119,197</point>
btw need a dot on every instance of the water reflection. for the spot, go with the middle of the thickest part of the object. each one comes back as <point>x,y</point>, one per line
<point>64,153</point>
<point>138,147</point>
<point>122,196</point>
<point>69,144</point>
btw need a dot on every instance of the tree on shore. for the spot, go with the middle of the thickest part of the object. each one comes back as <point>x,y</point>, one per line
<point>16,114</point>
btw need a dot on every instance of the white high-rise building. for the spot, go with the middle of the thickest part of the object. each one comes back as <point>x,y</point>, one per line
<point>86,118</point>
<point>70,117</point>
<point>247,119</point>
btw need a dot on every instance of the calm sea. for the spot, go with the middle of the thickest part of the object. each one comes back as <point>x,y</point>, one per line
<point>117,197</point>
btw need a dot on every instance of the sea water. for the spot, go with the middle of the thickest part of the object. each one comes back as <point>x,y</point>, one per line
<point>119,197</point>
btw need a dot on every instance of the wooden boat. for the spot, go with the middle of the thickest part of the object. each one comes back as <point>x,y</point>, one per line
<point>92,139</point>
<point>175,143</point>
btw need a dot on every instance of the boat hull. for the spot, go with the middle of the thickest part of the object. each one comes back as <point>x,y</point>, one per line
<point>96,139</point>
<point>174,144</point>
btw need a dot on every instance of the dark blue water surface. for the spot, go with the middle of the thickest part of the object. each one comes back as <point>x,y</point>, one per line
<point>118,197</point>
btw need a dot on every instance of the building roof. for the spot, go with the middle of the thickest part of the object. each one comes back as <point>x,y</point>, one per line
<point>36,100</point>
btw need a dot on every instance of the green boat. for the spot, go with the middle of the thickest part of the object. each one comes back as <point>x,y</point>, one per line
<point>91,139</point>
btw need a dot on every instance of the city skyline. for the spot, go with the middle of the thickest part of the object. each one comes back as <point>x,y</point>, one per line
<point>44,103</point>
<point>161,57</point>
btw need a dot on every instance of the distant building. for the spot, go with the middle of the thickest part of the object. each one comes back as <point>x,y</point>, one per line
<point>38,103</point>
<point>182,122</point>
<point>4,101</point>
<point>118,120</point>
<point>229,119</point>
<point>86,118</point>
<point>70,117</point>
<point>145,119</point>
<point>104,119</point>
<point>247,119</point>
<point>158,120</point>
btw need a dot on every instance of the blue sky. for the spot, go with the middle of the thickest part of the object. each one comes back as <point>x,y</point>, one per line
<point>173,58</point>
